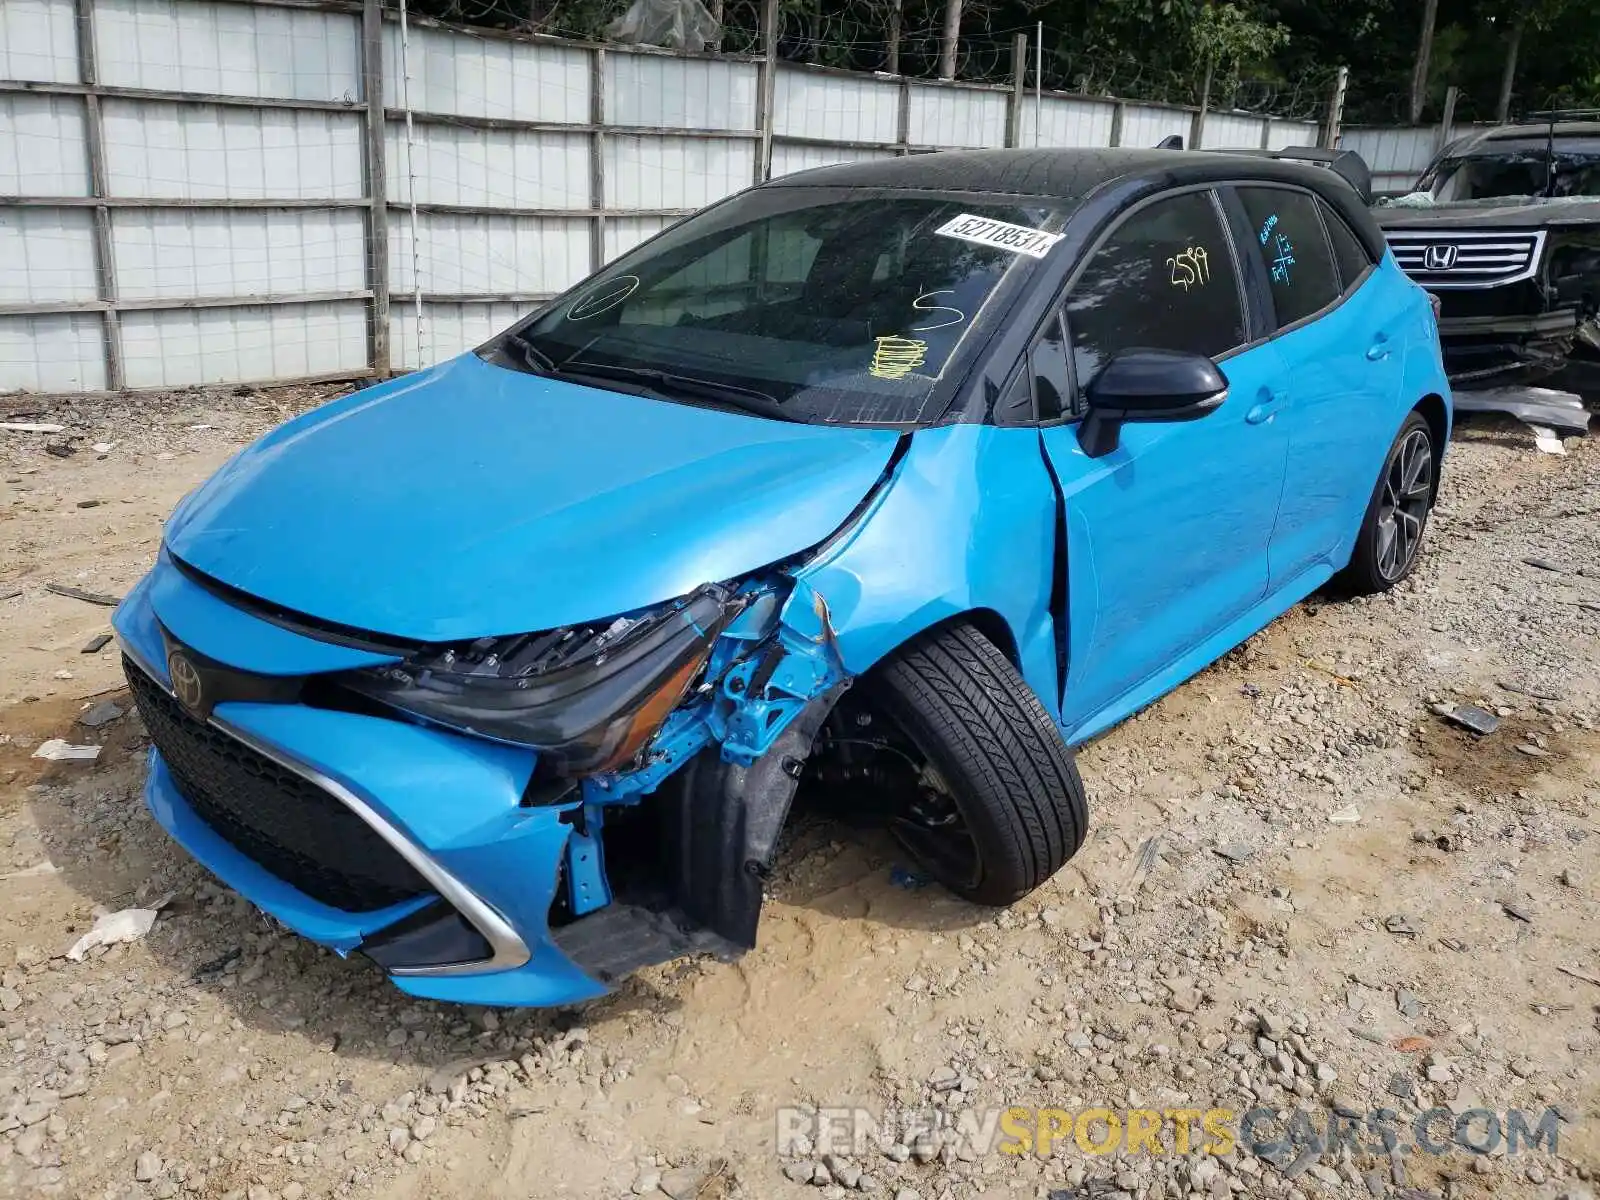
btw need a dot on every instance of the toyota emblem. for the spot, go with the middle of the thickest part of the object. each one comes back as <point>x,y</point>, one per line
<point>185,681</point>
<point>1440,256</point>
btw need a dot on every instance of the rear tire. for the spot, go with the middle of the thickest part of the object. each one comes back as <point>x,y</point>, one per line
<point>1390,540</point>
<point>1000,757</point>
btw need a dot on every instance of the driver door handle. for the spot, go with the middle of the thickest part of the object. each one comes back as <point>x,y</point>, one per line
<point>1265,408</point>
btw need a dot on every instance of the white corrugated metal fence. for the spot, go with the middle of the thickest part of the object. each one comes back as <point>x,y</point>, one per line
<point>210,191</point>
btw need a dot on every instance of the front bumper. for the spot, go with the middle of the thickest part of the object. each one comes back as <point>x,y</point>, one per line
<point>1505,348</point>
<point>449,806</point>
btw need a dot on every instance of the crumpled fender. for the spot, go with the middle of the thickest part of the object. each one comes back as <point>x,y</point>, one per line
<point>967,523</point>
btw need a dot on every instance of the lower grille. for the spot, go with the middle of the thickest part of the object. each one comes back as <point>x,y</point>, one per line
<point>280,819</point>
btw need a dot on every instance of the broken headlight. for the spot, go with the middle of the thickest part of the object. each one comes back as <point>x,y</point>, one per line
<point>587,697</point>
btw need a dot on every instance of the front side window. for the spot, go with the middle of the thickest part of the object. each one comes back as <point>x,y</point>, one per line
<point>1293,247</point>
<point>1165,280</point>
<point>823,305</point>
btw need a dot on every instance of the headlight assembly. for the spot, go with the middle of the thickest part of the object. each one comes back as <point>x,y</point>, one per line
<point>587,697</point>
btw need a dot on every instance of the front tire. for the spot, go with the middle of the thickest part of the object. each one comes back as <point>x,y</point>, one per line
<point>997,770</point>
<point>1390,540</point>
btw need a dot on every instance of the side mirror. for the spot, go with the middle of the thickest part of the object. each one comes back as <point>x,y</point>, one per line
<point>1148,385</point>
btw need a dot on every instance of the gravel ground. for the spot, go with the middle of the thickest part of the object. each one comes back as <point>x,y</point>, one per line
<point>1304,891</point>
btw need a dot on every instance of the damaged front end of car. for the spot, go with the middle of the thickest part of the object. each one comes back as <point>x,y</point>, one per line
<point>1503,228</point>
<point>508,820</point>
<point>708,706</point>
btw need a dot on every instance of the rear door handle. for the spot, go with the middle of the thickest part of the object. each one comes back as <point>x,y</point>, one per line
<point>1265,407</point>
<point>1379,350</point>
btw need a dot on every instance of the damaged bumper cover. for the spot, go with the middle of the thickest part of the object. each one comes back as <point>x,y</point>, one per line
<point>1508,347</point>
<point>442,854</point>
<point>1563,412</point>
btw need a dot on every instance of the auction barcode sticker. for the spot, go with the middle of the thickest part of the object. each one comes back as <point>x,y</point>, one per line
<point>1018,239</point>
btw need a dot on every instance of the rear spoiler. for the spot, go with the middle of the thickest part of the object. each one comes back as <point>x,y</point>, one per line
<point>1346,164</point>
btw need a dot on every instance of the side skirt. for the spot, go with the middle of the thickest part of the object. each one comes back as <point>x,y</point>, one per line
<point>1203,655</point>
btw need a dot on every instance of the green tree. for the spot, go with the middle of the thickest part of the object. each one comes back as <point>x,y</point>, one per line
<point>1227,37</point>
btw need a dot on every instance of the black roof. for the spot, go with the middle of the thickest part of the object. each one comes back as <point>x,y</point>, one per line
<point>1064,174</point>
<point>1071,174</point>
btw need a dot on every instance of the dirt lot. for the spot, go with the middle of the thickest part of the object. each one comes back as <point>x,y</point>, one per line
<point>1304,890</point>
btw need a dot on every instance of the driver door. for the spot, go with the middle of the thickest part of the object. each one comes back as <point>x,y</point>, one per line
<point>1167,535</point>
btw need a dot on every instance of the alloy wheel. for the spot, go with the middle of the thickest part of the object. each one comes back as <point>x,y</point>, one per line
<point>1403,506</point>
<point>929,824</point>
<point>869,766</point>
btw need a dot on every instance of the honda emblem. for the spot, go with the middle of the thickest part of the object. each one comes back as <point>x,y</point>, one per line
<point>1440,256</point>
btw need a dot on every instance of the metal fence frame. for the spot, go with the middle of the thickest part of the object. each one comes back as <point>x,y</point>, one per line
<point>1098,121</point>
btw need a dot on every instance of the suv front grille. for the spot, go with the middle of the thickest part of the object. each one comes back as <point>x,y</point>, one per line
<point>1440,259</point>
<point>274,816</point>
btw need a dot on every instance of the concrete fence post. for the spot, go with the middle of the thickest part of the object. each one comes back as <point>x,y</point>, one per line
<point>1330,128</point>
<point>1019,89</point>
<point>377,186</point>
<point>1447,121</point>
<point>95,144</point>
<point>767,89</point>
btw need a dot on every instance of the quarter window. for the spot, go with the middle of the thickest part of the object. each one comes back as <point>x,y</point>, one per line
<point>1164,279</point>
<point>1348,251</point>
<point>1048,360</point>
<point>1290,239</point>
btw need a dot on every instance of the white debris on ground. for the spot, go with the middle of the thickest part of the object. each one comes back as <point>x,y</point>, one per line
<point>56,750</point>
<point>1303,890</point>
<point>1545,439</point>
<point>128,925</point>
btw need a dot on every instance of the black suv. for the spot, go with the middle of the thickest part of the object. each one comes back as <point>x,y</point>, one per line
<point>1504,227</point>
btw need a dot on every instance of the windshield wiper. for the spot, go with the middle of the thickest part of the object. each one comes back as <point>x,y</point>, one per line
<point>747,400</point>
<point>534,358</point>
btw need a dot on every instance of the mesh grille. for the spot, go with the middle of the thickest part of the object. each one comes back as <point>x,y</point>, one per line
<point>284,822</point>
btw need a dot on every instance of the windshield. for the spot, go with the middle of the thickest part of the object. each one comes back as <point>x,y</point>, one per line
<point>823,305</point>
<point>1517,170</point>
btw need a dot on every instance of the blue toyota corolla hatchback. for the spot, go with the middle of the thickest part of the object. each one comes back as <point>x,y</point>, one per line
<point>886,482</point>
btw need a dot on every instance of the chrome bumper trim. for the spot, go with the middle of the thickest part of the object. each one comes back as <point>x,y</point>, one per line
<point>509,950</point>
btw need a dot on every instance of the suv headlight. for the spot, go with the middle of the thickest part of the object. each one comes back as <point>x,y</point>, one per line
<point>587,697</point>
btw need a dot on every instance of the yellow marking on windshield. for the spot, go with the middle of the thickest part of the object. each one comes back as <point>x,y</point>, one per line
<point>897,357</point>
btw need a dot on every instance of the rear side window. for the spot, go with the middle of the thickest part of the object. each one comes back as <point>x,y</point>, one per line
<point>1290,239</point>
<point>1164,279</point>
<point>1348,251</point>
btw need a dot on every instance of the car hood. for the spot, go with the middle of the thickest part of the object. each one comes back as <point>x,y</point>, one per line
<point>470,500</point>
<point>1505,213</point>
